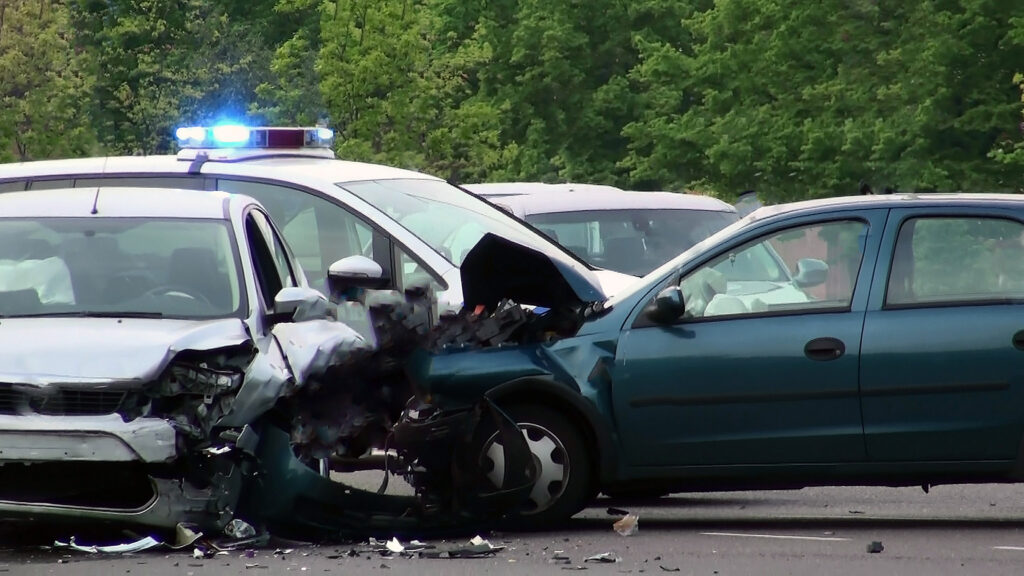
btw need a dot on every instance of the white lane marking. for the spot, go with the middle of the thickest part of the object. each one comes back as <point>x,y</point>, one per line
<point>1008,547</point>
<point>777,536</point>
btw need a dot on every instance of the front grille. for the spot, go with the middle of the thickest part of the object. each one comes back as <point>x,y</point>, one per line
<point>11,401</point>
<point>60,402</point>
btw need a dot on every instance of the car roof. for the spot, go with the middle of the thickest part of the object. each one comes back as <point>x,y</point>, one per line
<point>330,169</point>
<point>889,201</point>
<point>526,204</point>
<point>491,189</point>
<point>116,202</point>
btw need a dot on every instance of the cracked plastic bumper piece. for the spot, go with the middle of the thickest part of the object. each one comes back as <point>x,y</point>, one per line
<point>36,438</point>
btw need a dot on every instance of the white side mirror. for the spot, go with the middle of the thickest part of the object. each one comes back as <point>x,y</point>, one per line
<point>355,271</point>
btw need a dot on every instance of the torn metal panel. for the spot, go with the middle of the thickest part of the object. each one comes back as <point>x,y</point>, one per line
<point>264,383</point>
<point>313,346</point>
<point>98,350</point>
<point>99,438</point>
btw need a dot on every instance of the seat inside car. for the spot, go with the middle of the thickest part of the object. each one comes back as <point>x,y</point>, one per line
<point>196,270</point>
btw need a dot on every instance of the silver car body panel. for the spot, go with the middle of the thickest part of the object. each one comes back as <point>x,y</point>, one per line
<point>106,438</point>
<point>118,351</point>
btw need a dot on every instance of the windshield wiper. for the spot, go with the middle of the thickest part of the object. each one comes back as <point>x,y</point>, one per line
<point>86,314</point>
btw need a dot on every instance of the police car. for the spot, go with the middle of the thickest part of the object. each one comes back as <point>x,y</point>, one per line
<point>394,228</point>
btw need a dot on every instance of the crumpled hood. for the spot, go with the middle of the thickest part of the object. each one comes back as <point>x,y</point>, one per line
<point>497,268</point>
<point>40,351</point>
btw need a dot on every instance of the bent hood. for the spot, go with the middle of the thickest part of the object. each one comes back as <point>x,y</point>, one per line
<point>497,268</point>
<point>41,351</point>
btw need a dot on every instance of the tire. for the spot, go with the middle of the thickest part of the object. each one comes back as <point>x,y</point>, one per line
<point>561,462</point>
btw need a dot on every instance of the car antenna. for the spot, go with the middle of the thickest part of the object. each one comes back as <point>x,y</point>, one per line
<point>95,201</point>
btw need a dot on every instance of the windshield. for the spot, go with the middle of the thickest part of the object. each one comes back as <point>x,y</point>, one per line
<point>118,267</point>
<point>450,220</point>
<point>630,241</point>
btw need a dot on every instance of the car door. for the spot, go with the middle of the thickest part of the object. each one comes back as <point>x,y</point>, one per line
<point>759,370</point>
<point>942,367</point>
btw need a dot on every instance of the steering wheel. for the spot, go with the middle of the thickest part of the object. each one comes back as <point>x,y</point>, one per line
<point>177,291</point>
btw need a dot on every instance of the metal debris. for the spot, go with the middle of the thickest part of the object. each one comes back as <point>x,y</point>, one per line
<point>603,558</point>
<point>875,547</point>
<point>627,525</point>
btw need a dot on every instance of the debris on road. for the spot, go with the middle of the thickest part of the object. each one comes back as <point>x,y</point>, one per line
<point>127,548</point>
<point>627,525</point>
<point>239,529</point>
<point>559,557</point>
<point>667,569</point>
<point>617,512</point>
<point>603,558</point>
<point>875,547</point>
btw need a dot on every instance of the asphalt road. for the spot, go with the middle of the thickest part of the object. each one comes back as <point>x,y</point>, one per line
<point>822,531</point>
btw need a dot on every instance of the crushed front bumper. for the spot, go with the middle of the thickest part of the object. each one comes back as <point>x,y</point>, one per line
<point>290,498</point>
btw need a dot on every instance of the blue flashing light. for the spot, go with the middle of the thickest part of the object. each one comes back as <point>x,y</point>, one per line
<point>229,134</point>
<point>236,136</point>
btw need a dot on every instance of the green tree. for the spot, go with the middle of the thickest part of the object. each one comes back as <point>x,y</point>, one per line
<point>808,100</point>
<point>168,63</point>
<point>43,83</point>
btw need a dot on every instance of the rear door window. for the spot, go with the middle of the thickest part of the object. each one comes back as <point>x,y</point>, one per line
<point>944,260</point>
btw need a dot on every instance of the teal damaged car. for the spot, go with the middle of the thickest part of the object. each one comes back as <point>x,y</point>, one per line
<point>874,340</point>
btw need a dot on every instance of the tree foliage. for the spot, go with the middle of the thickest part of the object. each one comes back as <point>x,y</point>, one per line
<point>43,83</point>
<point>793,100</point>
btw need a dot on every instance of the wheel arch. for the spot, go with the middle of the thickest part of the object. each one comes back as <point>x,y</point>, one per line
<point>584,414</point>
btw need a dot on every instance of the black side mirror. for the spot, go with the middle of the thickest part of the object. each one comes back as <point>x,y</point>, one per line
<point>810,272</point>
<point>667,307</point>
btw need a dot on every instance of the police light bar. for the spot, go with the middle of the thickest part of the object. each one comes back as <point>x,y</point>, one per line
<point>237,136</point>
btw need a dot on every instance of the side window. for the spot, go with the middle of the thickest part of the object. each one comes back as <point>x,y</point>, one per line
<point>947,260</point>
<point>803,269</point>
<point>51,184</point>
<point>318,231</point>
<point>413,273</point>
<point>270,263</point>
<point>185,182</point>
<point>12,186</point>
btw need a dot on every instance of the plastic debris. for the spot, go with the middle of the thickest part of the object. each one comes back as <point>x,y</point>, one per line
<point>627,525</point>
<point>559,557</point>
<point>875,547</point>
<point>239,529</point>
<point>604,558</point>
<point>127,548</point>
<point>185,535</point>
<point>395,546</point>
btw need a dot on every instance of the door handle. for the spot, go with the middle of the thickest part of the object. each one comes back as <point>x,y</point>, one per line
<point>823,349</point>
<point>1018,340</point>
